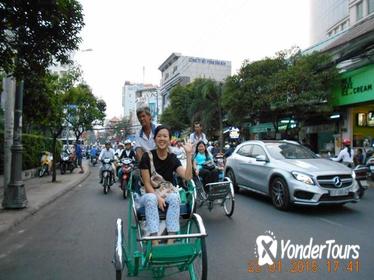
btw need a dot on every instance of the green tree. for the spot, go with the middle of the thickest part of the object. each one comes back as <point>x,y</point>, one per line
<point>290,85</point>
<point>83,110</point>
<point>176,115</point>
<point>248,94</point>
<point>122,129</point>
<point>36,34</point>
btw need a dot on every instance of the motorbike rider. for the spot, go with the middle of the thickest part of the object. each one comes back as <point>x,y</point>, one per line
<point>120,149</point>
<point>93,152</point>
<point>108,152</point>
<point>346,155</point>
<point>128,152</point>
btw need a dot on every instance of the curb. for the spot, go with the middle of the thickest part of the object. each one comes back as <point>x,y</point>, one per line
<point>30,211</point>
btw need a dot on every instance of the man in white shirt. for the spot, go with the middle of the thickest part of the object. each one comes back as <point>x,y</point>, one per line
<point>198,135</point>
<point>144,141</point>
<point>108,152</point>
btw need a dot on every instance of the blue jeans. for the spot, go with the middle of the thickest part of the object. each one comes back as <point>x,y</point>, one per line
<point>149,201</point>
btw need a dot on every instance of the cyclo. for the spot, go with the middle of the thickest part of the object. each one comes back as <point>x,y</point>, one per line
<point>136,252</point>
<point>219,192</point>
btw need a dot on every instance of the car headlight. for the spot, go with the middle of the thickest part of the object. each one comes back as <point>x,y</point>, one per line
<point>353,175</point>
<point>303,178</point>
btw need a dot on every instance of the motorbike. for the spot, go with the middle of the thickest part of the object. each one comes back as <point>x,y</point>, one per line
<point>126,165</point>
<point>67,162</point>
<point>94,160</point>
<point>107,174</point>
<point>46,161</point>
<point>370,164</point>
<point>361,172</point>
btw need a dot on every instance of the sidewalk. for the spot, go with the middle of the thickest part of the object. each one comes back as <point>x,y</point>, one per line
<point>40,192</point>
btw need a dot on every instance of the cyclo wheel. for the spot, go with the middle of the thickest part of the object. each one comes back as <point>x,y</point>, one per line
<point>198,269</point>
<point>229,205</point>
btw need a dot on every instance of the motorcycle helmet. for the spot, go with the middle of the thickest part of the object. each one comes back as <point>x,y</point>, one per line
<point>127,142</point>
<point>346,142</point>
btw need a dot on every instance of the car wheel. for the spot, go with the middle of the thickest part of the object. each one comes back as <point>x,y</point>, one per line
<point>279,193</point>
<point>231,175</point>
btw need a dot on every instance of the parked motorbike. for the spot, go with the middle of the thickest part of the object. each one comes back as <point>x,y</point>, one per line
<point>46,161</point>
<point>370,164</point>
<point>126,165</point>
<point>67,162</point>
<point>107,174</point>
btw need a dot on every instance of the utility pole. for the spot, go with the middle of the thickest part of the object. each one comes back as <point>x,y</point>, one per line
<point>9,92</point>
<point>14,192</point>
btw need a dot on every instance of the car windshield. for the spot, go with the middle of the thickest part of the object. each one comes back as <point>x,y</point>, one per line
<point>289,151</point>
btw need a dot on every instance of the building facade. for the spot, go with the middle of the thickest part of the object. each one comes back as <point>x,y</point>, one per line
<point>332,17</point>
<point>129,99</point>
<point>179,69</point>
<point>150,97</point>
<point>345,30</point>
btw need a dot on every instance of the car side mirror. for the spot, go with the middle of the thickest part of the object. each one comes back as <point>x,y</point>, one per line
<point>261,158</point>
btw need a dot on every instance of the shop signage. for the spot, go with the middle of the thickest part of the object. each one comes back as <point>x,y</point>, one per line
<point>354,87</point>
<point>207,61</point>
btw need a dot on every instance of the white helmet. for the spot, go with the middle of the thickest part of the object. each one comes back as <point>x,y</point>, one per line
<point>127,142</point>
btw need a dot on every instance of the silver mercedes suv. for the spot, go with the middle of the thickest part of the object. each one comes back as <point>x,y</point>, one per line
<point>290,174</point>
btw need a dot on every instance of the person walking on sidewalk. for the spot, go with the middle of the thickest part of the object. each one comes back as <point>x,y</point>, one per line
<point>79,155</point>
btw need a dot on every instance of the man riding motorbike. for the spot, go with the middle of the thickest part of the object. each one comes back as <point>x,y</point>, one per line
<point>108,152</point>
<point>346,155</point>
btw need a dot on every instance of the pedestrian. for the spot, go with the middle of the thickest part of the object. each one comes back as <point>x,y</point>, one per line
<point>79,155</point>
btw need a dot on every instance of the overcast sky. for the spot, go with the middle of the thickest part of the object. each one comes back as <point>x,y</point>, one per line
<point>126,36</point>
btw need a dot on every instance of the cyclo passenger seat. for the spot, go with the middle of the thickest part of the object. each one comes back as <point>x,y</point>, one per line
<point>185,207</point>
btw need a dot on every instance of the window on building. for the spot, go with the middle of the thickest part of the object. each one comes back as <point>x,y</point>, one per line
<point>344,25</point>
<point>359,11</point>
<point>370,6</point>
<point>175,69</point>
<point>166,76</point>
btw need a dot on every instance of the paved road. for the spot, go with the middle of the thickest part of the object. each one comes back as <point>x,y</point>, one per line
<point>73,237</point>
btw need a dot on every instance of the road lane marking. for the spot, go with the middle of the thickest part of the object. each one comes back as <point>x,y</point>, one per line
<point>330,222</point>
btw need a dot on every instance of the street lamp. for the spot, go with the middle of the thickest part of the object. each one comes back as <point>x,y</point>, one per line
<point>14,192</point>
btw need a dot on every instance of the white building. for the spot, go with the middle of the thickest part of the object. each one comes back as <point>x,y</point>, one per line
<point>178,69</point>
<point>150,97</point>
<point>137,95</point>
<point>129,100</point>
<point>331,18</point>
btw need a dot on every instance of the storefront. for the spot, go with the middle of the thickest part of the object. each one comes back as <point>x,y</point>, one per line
<point>354,99</point>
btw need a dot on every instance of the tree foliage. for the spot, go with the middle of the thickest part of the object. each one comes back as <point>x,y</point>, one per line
<point>83,109</point>
<point>34,34</point>
<point>197,101</point>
